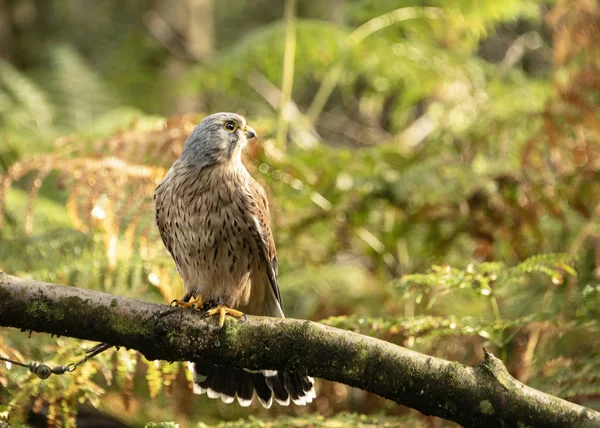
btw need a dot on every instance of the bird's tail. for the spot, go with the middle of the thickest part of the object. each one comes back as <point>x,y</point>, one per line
<point>228,383</point>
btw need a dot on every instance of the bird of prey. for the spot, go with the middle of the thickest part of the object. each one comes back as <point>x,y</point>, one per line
<point>213,218</point>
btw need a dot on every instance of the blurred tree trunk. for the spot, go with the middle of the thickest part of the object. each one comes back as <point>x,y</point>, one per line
<point>6,30</point>
<point>200,37</point>
<point>336,13</point>
<point>191,37</point>
<point>187,25</point>
<point>200,33</point>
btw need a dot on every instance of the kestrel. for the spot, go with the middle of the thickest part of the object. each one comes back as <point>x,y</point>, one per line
<point>214,219</point>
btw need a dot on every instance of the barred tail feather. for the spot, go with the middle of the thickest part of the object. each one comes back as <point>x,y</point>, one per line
<point>228,383</point>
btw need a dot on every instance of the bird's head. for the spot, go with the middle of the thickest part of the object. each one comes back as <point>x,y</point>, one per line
<point>218,138</point>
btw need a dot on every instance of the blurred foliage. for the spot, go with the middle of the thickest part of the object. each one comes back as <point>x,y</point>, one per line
<point>307,421</point>
<point>439,188</point>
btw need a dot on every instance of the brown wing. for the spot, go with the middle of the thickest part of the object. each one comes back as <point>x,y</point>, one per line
<point>265,241</point>
<point>159,212</point>
<point>163,210</point>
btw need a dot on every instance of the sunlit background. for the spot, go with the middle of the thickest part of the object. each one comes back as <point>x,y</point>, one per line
<point>433,169</point>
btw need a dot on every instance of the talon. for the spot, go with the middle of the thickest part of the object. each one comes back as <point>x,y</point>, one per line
<point>194,303</point>
<point>182,304</point>
<point>223,310</point>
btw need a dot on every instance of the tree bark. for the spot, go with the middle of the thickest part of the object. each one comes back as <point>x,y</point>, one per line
<point>485,395</point>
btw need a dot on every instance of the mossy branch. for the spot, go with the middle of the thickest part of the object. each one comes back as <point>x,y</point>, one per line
<point>485,395</point>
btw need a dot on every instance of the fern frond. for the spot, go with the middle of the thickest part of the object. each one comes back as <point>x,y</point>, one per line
<point>80,93</point>
<point>430,327</point>
<point>554,265</point>
<point>154,377</point>
<point>27,97</point>
<point>147,140</point>
<point>101,192</point>
<point>125,367</point>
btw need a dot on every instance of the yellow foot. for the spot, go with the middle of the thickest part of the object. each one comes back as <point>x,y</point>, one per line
<point>194,303</point>
<point>223,310</point>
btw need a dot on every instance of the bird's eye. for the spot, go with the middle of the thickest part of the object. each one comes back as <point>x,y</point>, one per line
<point>230,126</point>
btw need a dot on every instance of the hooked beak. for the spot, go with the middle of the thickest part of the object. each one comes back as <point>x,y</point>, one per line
<point>250,132</point>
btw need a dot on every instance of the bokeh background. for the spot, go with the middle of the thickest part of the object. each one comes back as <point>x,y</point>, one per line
<point>432,166</point>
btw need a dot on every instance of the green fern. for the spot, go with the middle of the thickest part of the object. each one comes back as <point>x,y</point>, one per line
<point>553,265</point>
<point>79,92</point>
<point>431,328</point>
<point>22,102</point>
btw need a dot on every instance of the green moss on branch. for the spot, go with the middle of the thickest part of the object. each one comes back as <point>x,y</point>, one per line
<point>485,395</point>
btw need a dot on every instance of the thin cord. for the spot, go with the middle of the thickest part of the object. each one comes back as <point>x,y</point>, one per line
<point>43,371</point>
